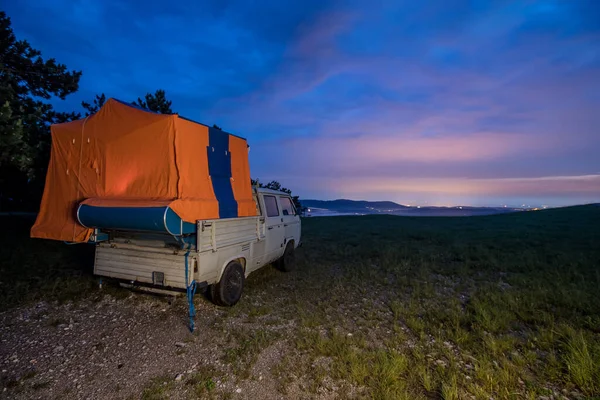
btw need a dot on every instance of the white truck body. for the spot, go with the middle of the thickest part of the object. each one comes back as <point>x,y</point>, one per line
<point>158,262</point>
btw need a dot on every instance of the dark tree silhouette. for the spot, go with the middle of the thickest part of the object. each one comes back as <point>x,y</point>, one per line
<point>26,81</point>
<point>156,102</point>
<point>275,185</point>
<point>25,78</point>
<point>93,108</point>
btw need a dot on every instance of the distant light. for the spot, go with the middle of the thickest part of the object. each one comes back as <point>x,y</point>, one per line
<point>418,206</point>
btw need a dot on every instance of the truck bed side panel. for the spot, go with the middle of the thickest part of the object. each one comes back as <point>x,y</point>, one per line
<point>215,234</point>
<point>220,241</point>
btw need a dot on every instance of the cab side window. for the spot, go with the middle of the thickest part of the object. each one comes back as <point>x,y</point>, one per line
<point>287,206</point>
<point>271,206</point>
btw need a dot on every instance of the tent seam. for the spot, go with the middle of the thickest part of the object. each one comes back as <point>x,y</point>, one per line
<point>175,156</point>
<point>78,177</point>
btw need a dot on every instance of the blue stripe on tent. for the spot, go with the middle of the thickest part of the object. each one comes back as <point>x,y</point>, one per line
<point>219,168</point>
<point>200,123</point>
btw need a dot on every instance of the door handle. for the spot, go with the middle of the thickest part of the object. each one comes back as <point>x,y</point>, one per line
<point>285,224</point>
<point>270,228</point>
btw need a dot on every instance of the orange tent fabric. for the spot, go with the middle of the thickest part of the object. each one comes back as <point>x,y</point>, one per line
<point>123,156</point>
<point>240,176</point>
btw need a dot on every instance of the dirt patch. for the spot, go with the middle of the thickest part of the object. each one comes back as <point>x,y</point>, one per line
<point>138,347</point>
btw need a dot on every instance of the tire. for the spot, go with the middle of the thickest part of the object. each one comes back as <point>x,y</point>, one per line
<point>228,291</point>
<point>287,262</point>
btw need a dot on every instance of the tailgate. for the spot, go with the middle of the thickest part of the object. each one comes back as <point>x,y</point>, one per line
<point>144,265</point>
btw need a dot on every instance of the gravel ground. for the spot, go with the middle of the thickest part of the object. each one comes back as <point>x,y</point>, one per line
<point>137,347</point>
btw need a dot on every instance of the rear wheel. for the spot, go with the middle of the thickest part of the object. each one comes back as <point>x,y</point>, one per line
<point>228,291</point>
<point>287,262</point>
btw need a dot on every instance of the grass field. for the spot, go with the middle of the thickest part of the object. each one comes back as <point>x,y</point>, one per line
<point>386,307</point>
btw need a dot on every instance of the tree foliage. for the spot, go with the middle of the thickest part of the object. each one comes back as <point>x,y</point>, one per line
<point>26,79</point>
<point>96,104</point>
<point>275,185</point>
<point>156,102</point>
<point>26,82</point>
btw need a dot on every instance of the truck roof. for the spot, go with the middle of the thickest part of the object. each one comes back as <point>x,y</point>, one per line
<point>270,191</point>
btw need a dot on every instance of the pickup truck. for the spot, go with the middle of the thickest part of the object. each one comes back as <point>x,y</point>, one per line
<point>218,256</point>
<point>167,202</point>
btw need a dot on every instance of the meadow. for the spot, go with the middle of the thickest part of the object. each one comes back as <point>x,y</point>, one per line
<point>386,307</point>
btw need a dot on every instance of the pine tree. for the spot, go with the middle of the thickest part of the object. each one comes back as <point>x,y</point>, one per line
<point>156,102</point>
<point>93,108</point>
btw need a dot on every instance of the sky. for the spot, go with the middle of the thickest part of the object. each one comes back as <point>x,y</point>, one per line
<point>432,103</point>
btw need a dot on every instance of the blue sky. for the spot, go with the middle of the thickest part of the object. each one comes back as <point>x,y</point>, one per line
<point>438,102</point>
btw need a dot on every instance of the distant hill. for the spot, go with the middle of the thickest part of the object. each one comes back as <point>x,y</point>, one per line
<point>362,207</point>
<point>345,205</point>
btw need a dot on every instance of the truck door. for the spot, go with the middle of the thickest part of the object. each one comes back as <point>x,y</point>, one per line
<point>259,248</point>
<point>291,222</point>
<point>275,229</point>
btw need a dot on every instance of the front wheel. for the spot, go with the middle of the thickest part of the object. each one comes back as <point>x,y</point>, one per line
<point>228,291</point>
<point>287,262</point>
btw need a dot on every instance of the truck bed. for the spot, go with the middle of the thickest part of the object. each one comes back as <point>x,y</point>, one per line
<point>146,259</point>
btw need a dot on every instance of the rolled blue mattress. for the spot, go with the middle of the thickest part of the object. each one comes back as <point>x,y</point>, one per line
<point>138,219</point>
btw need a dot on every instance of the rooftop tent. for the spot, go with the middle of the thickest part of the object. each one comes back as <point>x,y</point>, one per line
<point>123,157</point>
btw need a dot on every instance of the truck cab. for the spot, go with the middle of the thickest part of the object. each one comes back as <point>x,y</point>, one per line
<point>282,227</point>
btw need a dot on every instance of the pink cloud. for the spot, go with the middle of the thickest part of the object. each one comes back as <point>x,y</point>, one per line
<point>381,149</point>
<point>372,150</point>
<point>549,185</point>
<point>551,190</point>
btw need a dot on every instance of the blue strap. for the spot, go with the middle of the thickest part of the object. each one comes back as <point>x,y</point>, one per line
<point>191,291</point>
<point>219,169</point>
